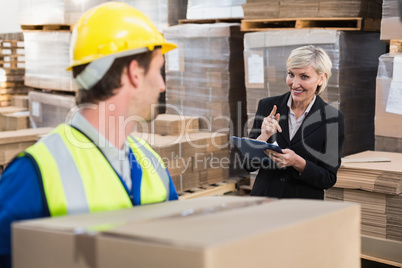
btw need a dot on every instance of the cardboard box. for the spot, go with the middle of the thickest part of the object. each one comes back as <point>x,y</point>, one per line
<point>171,124</point>
<point>243,232</point>
<point>50,110</point>
<point>20,101</point>
<point>14,142</point>
<point>14,121</point>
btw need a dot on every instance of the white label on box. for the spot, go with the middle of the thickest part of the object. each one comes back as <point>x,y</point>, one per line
<point>394,102</point>
<point>255,65</point>
<point>173,60</point>
<point>397,73</point>
<point>35,109</point>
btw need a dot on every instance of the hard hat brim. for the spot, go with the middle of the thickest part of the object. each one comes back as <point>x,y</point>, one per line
<point>165,47</point>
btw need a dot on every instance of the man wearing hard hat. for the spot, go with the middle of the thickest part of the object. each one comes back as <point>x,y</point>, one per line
<point>93,163</point>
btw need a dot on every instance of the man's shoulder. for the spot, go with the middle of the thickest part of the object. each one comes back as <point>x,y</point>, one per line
<point>20,164</point>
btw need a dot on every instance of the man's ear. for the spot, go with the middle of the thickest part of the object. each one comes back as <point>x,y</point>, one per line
<point>134,73</point>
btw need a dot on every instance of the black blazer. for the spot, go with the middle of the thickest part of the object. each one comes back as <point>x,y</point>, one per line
<point>319,141</point>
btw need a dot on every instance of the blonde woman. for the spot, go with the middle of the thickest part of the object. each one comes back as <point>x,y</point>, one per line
<point>309,131</point>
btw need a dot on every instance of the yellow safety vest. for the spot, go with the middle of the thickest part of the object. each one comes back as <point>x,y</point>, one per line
<point>77,178</point>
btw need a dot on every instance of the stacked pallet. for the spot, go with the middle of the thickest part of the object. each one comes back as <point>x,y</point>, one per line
<point>194,158</point>
<point>49,12</point>
<point>391,26</point>
<point>12,68</point>
<point>354,56</point>
<point>257,9</point>
<point>47,59</point>
<point>163,13</point>
<point>50,109</point>
<point>373,179</point>
<point>388,112</point>
<point>210,9</point>
<point>205,75</point>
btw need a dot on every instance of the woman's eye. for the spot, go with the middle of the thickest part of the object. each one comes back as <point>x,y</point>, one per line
<point>304,76</point>
<point>290,74</point>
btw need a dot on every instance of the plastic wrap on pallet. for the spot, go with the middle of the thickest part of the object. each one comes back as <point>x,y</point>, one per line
<point>205,75</point>
<point>163,13</point>
<point>46,60</point>
<point>37,12</point>
<point>388,112</point>
<point>351,88</point>
<point>261,9</point>
<point>210,9</point>
<point>391,25</point>
<point>49,110</point>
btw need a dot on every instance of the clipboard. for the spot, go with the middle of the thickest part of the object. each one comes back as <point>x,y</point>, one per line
<point>253,149</point>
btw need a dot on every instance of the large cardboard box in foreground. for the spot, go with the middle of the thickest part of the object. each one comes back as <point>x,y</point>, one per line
<point>226,231</point>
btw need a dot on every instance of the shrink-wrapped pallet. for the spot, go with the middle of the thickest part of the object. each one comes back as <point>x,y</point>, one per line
<point>41,12</point>
<point>49,110</point>
<point>388,112</point>
<point>46,60</point>
<point>209,9</point>
<point>205,75</point>
<point>260,9</point>
<point>163,13</point>
<point>391,25</point>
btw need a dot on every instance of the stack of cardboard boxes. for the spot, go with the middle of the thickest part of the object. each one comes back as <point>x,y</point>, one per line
<point>374,180</point>
<point>194,158</point>
<point>205,78</point>
<point>257,9</point>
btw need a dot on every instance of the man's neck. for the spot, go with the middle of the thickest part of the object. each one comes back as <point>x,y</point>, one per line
<point>109,122</point>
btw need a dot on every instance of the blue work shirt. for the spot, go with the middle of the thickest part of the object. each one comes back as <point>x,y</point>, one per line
<point>22,197</point>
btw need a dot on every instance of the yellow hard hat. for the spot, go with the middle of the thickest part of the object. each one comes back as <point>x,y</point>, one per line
<point>113,28</point>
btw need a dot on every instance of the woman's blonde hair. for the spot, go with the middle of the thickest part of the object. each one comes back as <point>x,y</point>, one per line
<point>309,55</point>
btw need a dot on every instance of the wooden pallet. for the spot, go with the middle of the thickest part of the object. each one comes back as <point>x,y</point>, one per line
<point>219,188</point>
<point>11,44</point>
<point>204,21</point>
<point>12,54</point>
<point>395,46</point>
<point>344,24</point>
<point>48,27</point>
<point>11,84</point>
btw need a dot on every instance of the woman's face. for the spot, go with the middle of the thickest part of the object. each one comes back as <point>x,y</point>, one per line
<point>303,83</point>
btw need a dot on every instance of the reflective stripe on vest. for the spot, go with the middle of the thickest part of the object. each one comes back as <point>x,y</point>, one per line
<point>77,178</point>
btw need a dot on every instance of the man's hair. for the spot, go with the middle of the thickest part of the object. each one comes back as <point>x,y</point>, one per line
<point>309,55</point>
<point>111,81</point>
